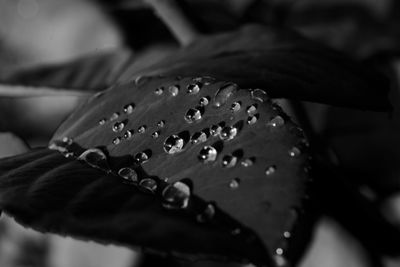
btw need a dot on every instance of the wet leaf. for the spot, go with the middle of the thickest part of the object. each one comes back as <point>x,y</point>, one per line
<point>229,182</point>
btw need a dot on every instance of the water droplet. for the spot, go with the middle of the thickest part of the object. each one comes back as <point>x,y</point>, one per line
<point>228,133</point>
<point>174,90</point>
<point>208,154</point>
<point>128,134</point>
<point>229,161</point>
<point>95,158</point>
<point>280,261</point>
<point>294,152</point>
<point>234,184</point>
<point>204,101</point>
<point>68,141</point>
<point>259,95</point>
<point>142,129</point>
<point>156,134</point>
<point>116,140</point>
<point>102,121</point>
<point>207,214</point>
<point>247,162</point>
<point>114,116</point>
<point>128,174</point>
<point>148,184</point>
<point>193,115</point>
<point>118,127</point>
<point>236,106</point>
<point>194,88</point>
<point>198,137</point>
<point>270,170</point>
<point>215,130</point>
<point>159,91</point>
<point>142,157</point>
<point>287,234</point>
<point>176,195</point>
<point>252,119</point>
<point>161,124</point>
<point>276,121</point>
<point>224,93</point>
<point>251,110</point>
<point>128,109</point>
<point>173,144</point>
<point>279,251</point>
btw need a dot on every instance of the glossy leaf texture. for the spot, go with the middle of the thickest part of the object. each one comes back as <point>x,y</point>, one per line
<point>227,158</point>
<point>274,59</point>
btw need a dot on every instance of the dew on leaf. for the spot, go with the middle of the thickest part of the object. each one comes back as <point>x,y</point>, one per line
<point>207,154</point>
<point>161,124</point>
<point>173,144</point>
<point>204,101</point>
<point>142,129</point>
<point>287,234</point>
<point>236,106</point>
<point>148,184</point>
<point>193,114</point>
<point>229,161</point>
<point>294,152</point>
<point>159,91</point>
<point>234,183</point>
<point>142,157</point>
<point>118,126</point>
<point>251,110</point>
<point>128,134</point>
<point>173,90</point>
<point>128,174</point>
<point>156,134</point>
<point>252,119</point>
<point>228,133</point>
<point>247,162</point>
<point>194,88</point>
<point>114,116</point>
<point>198,137</point>
<point>276,121</point>
<point>215,130</point>
<point>207,214</point>
<point>68,141</point>
<point>270,170</point>
<point>176,195</point>
<point>224,93</point>
<point>95,157</point>
<point>102,121</point>
<point>116,140</point>
<point>128,109</point>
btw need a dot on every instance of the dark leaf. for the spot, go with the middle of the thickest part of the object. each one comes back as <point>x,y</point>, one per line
<point>240,156</point>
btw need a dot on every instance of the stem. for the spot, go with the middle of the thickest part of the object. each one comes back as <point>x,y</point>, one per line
<point>32,91</point>
<point>172,15</point>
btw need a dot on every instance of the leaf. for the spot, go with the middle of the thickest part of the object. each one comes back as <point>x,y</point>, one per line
<point>242,159</point>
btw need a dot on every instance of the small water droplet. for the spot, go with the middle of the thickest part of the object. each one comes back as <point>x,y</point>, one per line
<point>156,134</point>
<point>128,134</point>
<point>259,95</point>
<point>176,195</point>
<point>270,170</point>
<point>159,91</point>
<point>114,116</point>
<point>207,214</point>
<point>252,119</point>
<point>224,93</point>
<point>128,174</point>
<point>68,141</point>
<point>194,88</point>
<point>198,137</point>
<point>229,161</point>
<point>173,90</point>
<point>247,162</point>
<point>148,184</point>
<point>287,234</point>
<point>142,129</point>
<point>118,127</point>
<point>234,184</point>
<point>161,124</point>
<point>276,121</point>
<point>208,154</point>
<point>193,115</point>
<point>95,158</point>
<point>116,140</point>
<point>251,110</point>
<point>142,157</point>
<point>236,106</point>
<point>228,133</point>
<point>215,130</point>
<point>173,144</point>
<point>128,109</point>
<point>102,121</point>
<point>204,101</point>
<point>294,152</point>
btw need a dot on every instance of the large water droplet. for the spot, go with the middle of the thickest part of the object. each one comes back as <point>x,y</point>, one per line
<point>229,161</point>
<point>173,144</point>
<point>116,140</point>
<point>142,129</point>
<point>156,134</point>
<point>173,90</point>
<point>95,158</point>
<point>234,184</point>
<point>259,95</point>
<point>102,121</point>
<point>161,124</point>
<point>198,137</point>
<point>224,93</point>
<point>118,127</point>
<point>236,106</point>
<point>128,134</point>
<point>252,119</point>
<point>128,174</point>
<point>207,214</point>
<point>251,110</point>
<point>228,133</point>
<point>194,88</point>
<point>159,91</point>
<point>294,152</point>
<point>270,170</point>
<point>176,195</point>
<point>208,154</point>
<point>204,101</point>
<point>247,162</point>
<point>128,109</point>
<point>114,116</point>
<point>142,157</point>
<point>148,184</point>
<point>276,121</point>
<point>215,130</point>
<point>193,114</point>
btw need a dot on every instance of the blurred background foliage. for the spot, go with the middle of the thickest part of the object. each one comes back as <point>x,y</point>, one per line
<point>40,32</point>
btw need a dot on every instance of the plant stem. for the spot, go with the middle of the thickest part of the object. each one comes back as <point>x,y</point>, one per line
<point>172,15</point>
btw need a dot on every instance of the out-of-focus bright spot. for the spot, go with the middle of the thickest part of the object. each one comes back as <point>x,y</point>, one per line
<point>28,9</point>
<point>334,247</point>
<point>11,145</point>
<point>391,209</point>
